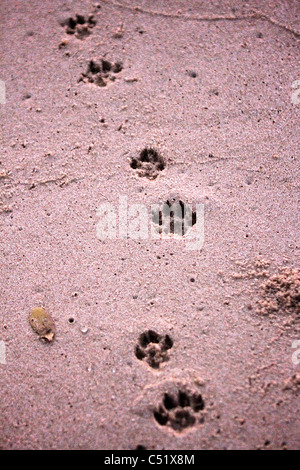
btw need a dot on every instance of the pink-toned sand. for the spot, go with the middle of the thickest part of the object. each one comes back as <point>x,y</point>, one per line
<point>209,85</point>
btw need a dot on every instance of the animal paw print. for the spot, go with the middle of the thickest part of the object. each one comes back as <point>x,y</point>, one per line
<point>153,348</point>
<point>180,412</point>
<point>173,218</point>
<point>80,26</point>
<point>100,73</point>
<point>148,164</point>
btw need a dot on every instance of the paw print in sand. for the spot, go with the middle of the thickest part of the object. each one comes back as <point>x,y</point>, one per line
<point>174,218</point>
<point>149,163</point>
<point>153,348</point>
<point>101,73</point>
<point>180,412</point>
<point>80,26</point>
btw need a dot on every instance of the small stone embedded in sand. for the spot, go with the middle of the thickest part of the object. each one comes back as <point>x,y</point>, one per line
<point>63,43</point>
<point>42,323</point>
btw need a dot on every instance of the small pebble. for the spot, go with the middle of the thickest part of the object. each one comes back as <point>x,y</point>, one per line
<point>42,323</point>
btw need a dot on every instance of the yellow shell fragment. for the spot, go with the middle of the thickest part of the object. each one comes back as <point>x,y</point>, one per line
<point>42,323</point>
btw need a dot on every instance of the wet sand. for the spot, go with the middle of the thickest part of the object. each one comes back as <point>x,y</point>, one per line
<point>156,345</point>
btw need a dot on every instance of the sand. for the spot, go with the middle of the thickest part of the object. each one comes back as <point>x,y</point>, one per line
<point>212,88</point>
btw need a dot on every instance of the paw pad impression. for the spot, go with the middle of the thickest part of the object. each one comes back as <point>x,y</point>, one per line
<point>173,218</point>
<point>180,412</point>
<point>148,164</point>
<point>153,348</point>
<point>101,73</point>
<point>80,26</point>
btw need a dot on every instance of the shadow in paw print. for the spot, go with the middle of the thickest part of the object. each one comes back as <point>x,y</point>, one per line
<point>100,73</point>
<point>149,163</point>
<point>80,26</point>
<point>153,348</point>
<point>173,218</point>
<point>181,411</point>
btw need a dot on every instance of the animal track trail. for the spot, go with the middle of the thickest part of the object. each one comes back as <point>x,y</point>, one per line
<point>174,218</point>
<point>148,164</point>
<point>153,348</point>
<point>80,26</point>
<point>101,73</point>
<point>180,412</point>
